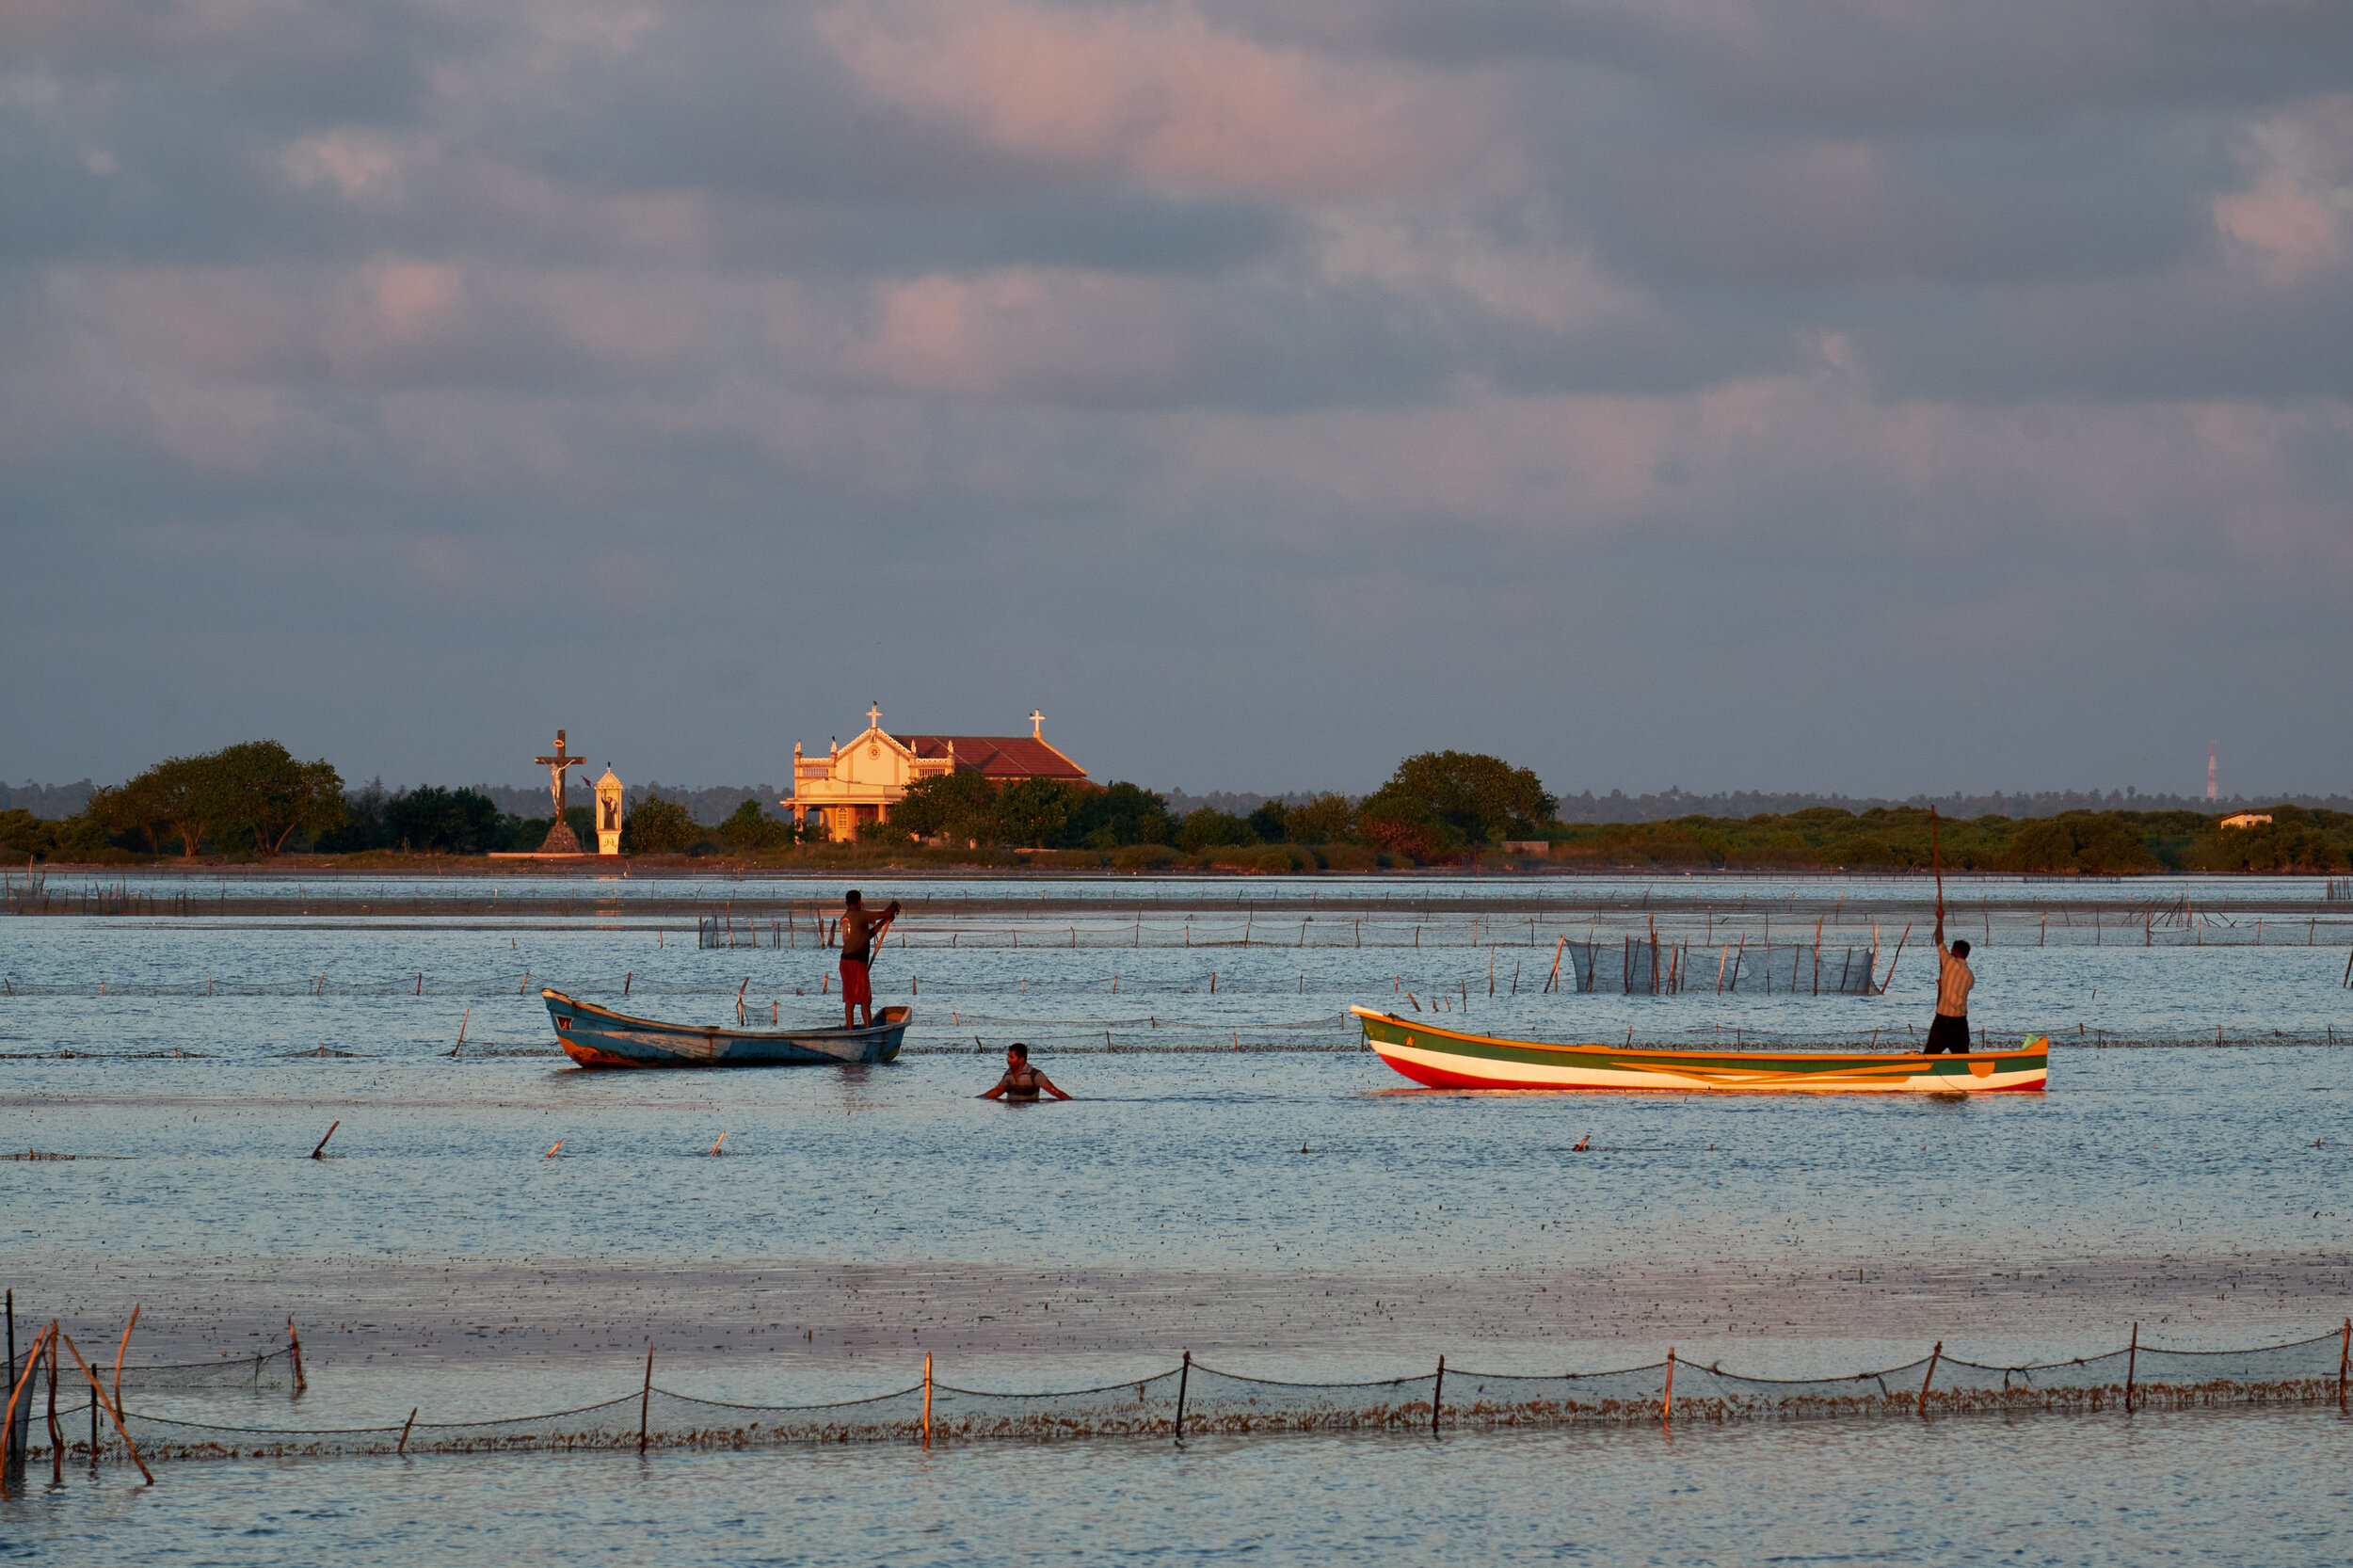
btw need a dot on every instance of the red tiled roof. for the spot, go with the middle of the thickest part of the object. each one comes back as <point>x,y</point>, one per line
<point>996,756</point>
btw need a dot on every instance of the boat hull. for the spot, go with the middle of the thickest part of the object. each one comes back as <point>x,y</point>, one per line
<point>1450,1058</point>
<point>598,1037</point>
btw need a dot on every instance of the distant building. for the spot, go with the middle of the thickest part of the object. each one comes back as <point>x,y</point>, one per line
<point>2246,819</point>
<point>861,781</point>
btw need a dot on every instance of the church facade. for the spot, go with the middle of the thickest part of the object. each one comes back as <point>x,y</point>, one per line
<point>861,781</point>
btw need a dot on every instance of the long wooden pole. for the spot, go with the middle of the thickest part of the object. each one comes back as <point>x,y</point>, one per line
<point>927,1399</point>
<point>1936,862</point>
<point>99,1394</point>
<point>1934,1357</point>
<point>1184,1376</point>
<point>1667,1399</point>
<point>1437,1395</point>
<point>120,1349</point>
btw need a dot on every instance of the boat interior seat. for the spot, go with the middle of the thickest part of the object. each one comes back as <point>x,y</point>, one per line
<point>892,1014</point>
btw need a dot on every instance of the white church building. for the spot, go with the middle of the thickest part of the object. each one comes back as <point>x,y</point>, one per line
<point>859,783</point>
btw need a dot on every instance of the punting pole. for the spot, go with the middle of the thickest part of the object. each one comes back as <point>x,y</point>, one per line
<point>1184,1376</point>
<point>1437,1395</point>
<point>1934,1357</point>
<point>645,1400</point>
<point>1667,1399</point>
<point>1936,862</point>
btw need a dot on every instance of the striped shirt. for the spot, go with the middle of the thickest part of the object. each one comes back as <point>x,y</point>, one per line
<point>1953,982</point>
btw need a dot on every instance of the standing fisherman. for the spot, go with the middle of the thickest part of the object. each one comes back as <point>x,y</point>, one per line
<point>861,932</point>
<point>1949,1030</point>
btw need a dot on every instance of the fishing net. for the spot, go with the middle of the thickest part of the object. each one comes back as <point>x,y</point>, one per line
<point>1648,966</point>
<point>1193,1399</point>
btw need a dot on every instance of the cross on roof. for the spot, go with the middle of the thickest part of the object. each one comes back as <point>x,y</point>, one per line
<point>1037,725</point>
<point>873,716</point>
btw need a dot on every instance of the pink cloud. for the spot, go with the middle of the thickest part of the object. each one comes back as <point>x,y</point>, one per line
<point>1023,328</point>
<point>1157,91</point>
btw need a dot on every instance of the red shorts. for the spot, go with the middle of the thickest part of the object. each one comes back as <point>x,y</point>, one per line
<point>857,988</point>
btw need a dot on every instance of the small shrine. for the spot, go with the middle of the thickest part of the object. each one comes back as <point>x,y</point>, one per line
<point>609,794</point>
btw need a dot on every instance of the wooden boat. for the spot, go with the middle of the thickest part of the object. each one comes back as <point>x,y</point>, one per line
<point>598,1037</point>
<point>1450,1058</point>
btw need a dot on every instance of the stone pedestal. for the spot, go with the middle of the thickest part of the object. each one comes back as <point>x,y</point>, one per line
<point>561,839</point>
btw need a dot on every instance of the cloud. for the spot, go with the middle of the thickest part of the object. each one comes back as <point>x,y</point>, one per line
<point>1159,92</point>
<point>1311,381</point>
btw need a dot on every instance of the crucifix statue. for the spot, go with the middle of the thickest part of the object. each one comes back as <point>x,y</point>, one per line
<point>556,766</point>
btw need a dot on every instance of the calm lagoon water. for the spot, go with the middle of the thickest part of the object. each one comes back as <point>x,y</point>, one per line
<point>2214,1487</point>
<point>1260,1169</point>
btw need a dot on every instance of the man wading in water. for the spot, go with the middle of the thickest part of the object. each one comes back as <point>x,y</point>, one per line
<point>860,932</point>
<point>1021,1080</point>
<point>1950,1030</point>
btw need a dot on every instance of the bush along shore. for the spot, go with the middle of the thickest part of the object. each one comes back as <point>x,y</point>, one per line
<point>254,803</point>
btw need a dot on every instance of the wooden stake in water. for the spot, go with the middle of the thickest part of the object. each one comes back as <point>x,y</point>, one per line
<point>2132,1366</point>
<point>645,1400</point>
<point>927,1399</point>
<point>98,1397</point>
<point>404,1431</point>
<point>1437,1396</point>
<point>1667,1399</point>
<point>1934,1357</point>
<point>320,1153</point>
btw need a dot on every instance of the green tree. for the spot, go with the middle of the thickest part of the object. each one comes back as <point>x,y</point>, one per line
<point>958,808</point>
<point>1270,822</point>
<point>749,829</point>
<point>431,820</point>
<point>134,807</point>
<point>1033,811</point>
<point>1208,827</point>
<point>1328,818</point>
<point>189,794</point>
<point>1476,798</point>
<point>659,826</point>
<point>272,796</point>
<point>1117,816</point>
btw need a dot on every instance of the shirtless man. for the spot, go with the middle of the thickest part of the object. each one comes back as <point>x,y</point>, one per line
<point>1949,1030</point>
<point>1021,1080</point>
<point>861,931</point>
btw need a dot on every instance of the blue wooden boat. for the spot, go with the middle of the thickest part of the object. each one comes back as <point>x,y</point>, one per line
<point>598,1037</point>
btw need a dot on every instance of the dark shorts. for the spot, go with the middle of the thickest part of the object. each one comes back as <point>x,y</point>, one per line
<point>1949,1034</point>
<point>857,988</point>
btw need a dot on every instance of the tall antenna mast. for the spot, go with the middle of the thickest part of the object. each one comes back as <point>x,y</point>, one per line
<point>2212,792</point>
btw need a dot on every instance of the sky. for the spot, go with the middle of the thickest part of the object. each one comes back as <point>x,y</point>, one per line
<point>1880,396</point>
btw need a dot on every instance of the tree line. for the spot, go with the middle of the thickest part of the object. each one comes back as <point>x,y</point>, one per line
<point>256,799</point>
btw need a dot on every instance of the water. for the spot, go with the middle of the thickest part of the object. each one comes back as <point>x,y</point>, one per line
<point>1299,1213</point>
<point>2206,1487</point>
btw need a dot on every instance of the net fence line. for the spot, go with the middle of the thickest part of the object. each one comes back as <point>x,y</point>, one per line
<point>1191,1398</point>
